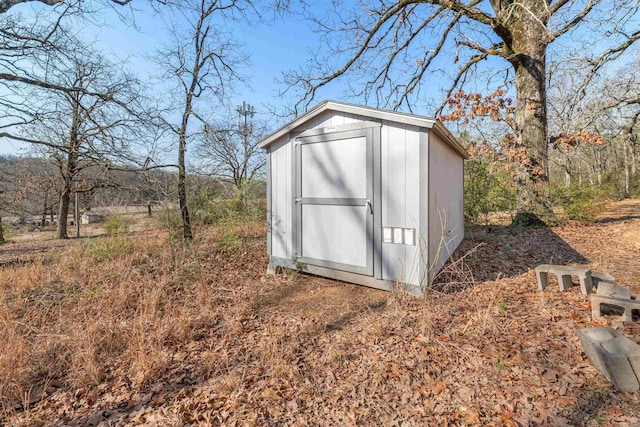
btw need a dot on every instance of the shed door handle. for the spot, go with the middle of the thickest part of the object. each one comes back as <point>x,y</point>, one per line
<point>368,204</point>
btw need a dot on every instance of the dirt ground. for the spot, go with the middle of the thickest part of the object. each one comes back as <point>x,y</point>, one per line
<point>484,347</point>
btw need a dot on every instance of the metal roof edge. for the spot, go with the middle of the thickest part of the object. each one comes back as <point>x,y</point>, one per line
<point>293,124</point>
<point>393,116</point>
<point>449,139</point>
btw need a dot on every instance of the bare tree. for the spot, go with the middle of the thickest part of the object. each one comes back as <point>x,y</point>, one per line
<point>5,5</point>
<point>624,100</point>
<point>91,129</point>
<point>576,117</point>
<point>389,49</point>
<point>30,187</point>
<point>611,108</point>
<point>26,44</point>
<point>2,239</point>
<point>204,62</point>
<point>229,151</point>
<point>630,132</point>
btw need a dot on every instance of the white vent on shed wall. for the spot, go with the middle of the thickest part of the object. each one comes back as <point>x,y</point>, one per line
<point>399,235</point>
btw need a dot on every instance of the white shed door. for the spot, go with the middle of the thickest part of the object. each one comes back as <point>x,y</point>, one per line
<point>334,195</point>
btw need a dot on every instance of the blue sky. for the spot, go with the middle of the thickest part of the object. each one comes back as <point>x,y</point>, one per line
<point>279,45</point>
<point>272,48</point>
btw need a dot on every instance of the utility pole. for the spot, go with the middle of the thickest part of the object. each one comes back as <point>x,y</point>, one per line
<point>245,110</point>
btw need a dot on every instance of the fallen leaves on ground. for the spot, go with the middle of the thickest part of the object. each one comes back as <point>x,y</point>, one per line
<point>304,351</point>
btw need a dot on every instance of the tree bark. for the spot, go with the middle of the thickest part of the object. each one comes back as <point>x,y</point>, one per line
<point>69,171</point>
<point>625,150</point>
<point>45,205</point>
<point>633,148</point>
<point>187,234</point>
<point>527,40</point>
<point>182,185</point>
<point>1,231</point>
<point>598,166</point>
<point>63,212</point>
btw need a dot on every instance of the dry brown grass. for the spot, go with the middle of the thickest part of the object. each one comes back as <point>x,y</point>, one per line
<point>160,333</point>
<point>74,316</point>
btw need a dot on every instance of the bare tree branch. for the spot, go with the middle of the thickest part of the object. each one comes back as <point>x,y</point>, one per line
<point>5,5</point>
<point>574,22</point>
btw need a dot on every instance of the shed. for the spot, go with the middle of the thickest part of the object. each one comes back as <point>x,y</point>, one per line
<point>364,195</point>
<point>92,217</point>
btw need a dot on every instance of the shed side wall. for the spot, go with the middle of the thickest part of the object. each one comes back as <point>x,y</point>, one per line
<point>400,164</point>
<point>281,196</point>
<point>446,195</point>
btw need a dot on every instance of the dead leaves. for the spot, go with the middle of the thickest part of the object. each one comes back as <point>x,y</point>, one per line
<point>272,353</point>
<point>567,141</point>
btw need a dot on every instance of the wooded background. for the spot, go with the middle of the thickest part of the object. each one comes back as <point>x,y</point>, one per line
<point>543,93</point>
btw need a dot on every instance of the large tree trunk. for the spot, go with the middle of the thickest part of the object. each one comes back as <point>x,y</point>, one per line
<point>627,166</point>
<point>182,193</point>
<point>567,170</point>
<point>633,154</point>
<point>527,39</point>
<point>63,212</point>
<point>69,171</point>
<point>598,167</point>
<point>43,216</point>
<point>182,173</point>
<point>532,171</point>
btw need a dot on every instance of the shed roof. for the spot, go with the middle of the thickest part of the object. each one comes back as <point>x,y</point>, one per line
<point>94,213</point>
<point>374,113</point>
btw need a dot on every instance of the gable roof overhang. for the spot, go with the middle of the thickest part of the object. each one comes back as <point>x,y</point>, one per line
<point>373,113</point>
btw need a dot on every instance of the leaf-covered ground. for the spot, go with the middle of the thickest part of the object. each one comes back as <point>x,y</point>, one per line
<point>145,331</point>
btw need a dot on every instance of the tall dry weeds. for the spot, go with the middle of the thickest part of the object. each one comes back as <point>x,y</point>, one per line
<point>69,318</point>
<point>215,342</point>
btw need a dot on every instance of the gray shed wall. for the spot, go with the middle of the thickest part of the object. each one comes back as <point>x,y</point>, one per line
<point>400,198</point>
<point>281,160</point>
<point>421,180</point>
<point>280,219</point>
<point>446,221</point>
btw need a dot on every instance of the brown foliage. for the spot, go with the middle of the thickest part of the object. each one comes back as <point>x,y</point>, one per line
<point>504,154</point>
<point>574,139</point>
<point>469,106</point>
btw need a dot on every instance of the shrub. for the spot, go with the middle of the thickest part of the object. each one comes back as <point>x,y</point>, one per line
<point>486,191</point>
<point>170,219</point>
<point>108,249</point>
<point>217,211</point>
<point>115,225</point>
<point>580,203</point>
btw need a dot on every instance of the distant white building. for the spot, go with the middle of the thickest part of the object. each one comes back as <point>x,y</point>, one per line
<point>92,217</point>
